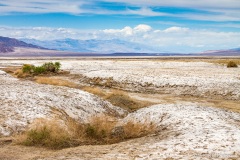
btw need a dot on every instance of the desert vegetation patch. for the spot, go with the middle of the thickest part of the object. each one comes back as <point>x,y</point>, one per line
<point>102,129</point>
<point>232,64</point>
<point>28,70</point>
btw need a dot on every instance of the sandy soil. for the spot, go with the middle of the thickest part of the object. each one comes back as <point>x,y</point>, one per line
<point>189,130</point>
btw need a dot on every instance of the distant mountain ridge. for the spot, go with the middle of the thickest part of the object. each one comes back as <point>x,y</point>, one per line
<point>8,44</point>
<point>73,47</point>
<point>93,46</point>
<point>227,52</point>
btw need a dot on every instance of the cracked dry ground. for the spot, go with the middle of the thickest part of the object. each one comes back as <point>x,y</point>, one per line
<point>197,128</point>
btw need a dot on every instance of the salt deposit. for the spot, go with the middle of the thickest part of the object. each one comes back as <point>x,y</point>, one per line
<point>21,102</point>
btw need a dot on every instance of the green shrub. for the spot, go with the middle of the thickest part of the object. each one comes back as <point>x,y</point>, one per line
<point>231,64</point>
<point>49,67</point>
<point>27,68</point>
<point>52,67</point>
<point>57,65</point>
<point>39,70</point>
<point>46,67</point>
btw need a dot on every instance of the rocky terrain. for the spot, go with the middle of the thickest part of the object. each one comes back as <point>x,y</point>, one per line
<point>189,129</point>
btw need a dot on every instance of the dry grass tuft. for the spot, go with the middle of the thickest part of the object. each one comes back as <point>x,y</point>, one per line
<point>54,81</point>
<point>10,69</point>
<point>136,129</point>
<point>94,90</point>
<point>123,100</point>
<point>48,133</point>
<point>58,134</point>
<point>232,64</point>
<point>224,61</point>
<point>118,98</point>
<point>100,128</point>
<point>20,74</point>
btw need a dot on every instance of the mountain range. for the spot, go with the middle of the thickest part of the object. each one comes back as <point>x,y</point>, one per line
<point>227,52</point>
<point>8,44</point>
<point>72,47</point>
<point>93,46</point>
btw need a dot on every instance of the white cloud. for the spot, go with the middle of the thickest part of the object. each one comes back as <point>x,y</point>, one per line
<point>41,6</point>
<point>46,33</point>
<point>142,28</point>
<point>231,4</point>
<point>216,10</point>
<point>175,29</point>
<point>219,10</point>
<point>144,11</point>
<point>220,17</point>
<point>128,31</point>
<point>172,39</point>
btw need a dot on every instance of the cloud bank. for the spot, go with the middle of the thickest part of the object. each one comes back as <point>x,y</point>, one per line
<point>172,39</point>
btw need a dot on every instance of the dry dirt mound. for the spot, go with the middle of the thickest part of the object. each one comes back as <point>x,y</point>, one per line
<point>201,129</point>
<point>193,132</point>
<point>21,102</point>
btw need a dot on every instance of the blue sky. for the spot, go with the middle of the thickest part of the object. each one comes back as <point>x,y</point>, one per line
<point>173,25</point>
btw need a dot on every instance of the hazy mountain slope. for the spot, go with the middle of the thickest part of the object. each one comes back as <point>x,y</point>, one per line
<point>229,52</point>
<point>8,44</point>
<point>94,46</point>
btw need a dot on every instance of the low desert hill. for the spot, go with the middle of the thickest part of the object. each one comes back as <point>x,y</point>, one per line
<point>8,44</point>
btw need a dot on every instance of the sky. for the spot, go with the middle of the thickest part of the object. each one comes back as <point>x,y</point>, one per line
<point>170,25</point>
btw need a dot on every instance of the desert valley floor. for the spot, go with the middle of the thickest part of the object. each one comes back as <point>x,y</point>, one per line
<point>195,102</point>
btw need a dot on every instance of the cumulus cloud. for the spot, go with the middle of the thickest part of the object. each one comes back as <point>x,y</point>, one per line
<point>142,28</point>
<point>128,31</point>
<point>172,39</point>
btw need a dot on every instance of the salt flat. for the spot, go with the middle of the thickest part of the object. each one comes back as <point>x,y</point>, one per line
<point>193,130</point>
<point>191,78</point>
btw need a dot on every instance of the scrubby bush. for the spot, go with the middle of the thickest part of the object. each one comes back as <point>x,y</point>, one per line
<point>39,70</point>
<point>231,64</point>
<point>46,67</point>
<point>57,65</point>
<point>27,68</point>
<point>52,67</point>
